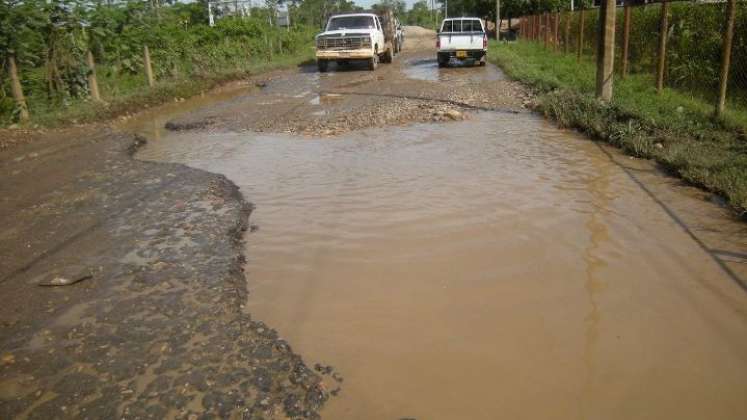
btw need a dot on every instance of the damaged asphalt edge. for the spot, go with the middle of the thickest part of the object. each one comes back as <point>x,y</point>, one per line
<point>237,280</point>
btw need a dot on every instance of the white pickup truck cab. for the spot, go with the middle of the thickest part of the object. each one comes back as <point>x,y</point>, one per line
<point>355,36</point>
<point>462,38</point>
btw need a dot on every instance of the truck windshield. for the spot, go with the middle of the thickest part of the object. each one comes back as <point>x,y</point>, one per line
<point>351,22</point>
<point>462,25</point>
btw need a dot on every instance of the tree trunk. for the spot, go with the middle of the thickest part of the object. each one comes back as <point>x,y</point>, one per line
<point>580,47</point>
<point>626,39</point>
<point>148,67</point>
<point>731,9</point>
<point>606,50</point>
<point>15,84</point>
<point>93,84</point>
<point>662,54</point>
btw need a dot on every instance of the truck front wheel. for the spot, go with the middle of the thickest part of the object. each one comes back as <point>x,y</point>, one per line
<point>373,62</point>
<point>322,65</point>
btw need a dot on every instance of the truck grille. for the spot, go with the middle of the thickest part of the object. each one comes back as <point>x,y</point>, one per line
<point>343,43</point>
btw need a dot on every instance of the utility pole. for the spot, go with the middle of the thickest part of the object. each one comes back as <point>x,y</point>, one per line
<point>498,20</point>
<point>606,50</point>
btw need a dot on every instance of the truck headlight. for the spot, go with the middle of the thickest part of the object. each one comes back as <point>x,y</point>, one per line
<point>366,41</point>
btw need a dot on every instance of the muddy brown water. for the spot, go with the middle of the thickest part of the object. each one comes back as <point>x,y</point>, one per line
<point>492,268</point>
<point>427,69</point>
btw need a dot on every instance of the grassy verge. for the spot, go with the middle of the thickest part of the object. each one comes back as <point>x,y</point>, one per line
<point>126,94</point>
<point>673,128</point>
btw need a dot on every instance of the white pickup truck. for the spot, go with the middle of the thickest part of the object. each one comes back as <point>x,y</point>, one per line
<point>355,36</point>
<point>462,38</point>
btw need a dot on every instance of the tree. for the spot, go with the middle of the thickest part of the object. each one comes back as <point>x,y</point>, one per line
<point>420,14</point>
<point>316,12</point>
<point>397,6</point>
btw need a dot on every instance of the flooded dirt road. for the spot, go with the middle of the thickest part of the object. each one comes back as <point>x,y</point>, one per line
<point>494,267</point>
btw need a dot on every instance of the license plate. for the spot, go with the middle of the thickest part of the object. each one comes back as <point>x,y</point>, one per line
<point>461,54</point>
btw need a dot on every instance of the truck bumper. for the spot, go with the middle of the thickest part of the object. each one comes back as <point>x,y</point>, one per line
<point>444,56</point>
<point>361,54</point>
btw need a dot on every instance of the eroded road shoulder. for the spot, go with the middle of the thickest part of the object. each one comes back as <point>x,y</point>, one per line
<point>156,328</point>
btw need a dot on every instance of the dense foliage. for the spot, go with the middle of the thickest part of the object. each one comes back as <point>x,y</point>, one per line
<point>694,41</point>
<point>509,8</point>
<point>50,40</point>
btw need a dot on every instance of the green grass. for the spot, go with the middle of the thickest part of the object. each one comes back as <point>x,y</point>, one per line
<point>123,93</point>
<point>676,129</point>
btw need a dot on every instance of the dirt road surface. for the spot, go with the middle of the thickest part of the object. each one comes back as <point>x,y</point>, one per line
<point>421,245</point>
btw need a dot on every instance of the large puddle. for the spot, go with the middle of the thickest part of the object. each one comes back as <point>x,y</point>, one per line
<point>493,268</point>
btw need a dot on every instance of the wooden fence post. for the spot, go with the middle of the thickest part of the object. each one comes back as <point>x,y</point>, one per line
<point>731,11</point>
<point>626,38</point>
<point>526,28</point>
<point>539,26</point>
<point>148,67</point>
<point>662,53</point>
<point>15,85</point>
<point>547,29</point>
<point>531,27</point>
<point>498,21</point>
<point>606,49</point>
<point>93,84</point>
<point>567,32</point>
<point>580,47</point>
<point>556,25</point>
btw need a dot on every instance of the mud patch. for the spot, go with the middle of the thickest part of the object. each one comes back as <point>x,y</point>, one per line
<point>159,329</point>
<point>190,125</point>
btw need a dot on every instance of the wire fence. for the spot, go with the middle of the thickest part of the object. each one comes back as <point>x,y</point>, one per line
<point>692,46</point>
